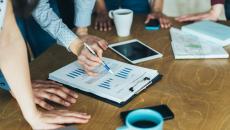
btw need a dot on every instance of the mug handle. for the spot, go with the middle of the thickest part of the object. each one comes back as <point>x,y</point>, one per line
<point>122,128</point>
<point>111,14</point>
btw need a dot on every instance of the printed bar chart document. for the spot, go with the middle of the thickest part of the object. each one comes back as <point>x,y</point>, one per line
<point>188,46</point>
<point>118,88</point>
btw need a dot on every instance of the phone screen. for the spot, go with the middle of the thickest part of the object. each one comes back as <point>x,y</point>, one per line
<point>163,109</point>
<point>153,23</point>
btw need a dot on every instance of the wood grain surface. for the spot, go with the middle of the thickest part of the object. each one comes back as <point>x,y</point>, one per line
<point>197,91</point>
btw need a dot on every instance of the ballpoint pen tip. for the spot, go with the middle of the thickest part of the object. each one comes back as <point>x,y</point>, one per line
<point>111,71</point>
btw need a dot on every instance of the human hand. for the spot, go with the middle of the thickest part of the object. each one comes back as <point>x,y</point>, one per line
<point>56,119</point>
<point>91,39</point>
<point>213,15</point>
<point>52,91</point>
<point>98,45</point>
<point>164,21</point>
<point>197,17</point>
<point>103,22</point>
<point>87,60</point>
<point>82,32</point>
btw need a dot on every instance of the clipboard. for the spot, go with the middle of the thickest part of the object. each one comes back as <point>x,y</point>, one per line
<point>117,89</point>
<point>154,81</point>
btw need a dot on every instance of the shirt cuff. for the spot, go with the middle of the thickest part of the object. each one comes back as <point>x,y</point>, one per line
<point>65,38</point>
<point>214,2</point>
<point>82,19</point>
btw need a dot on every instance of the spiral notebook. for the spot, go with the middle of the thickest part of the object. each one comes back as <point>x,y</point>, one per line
<point>117,89</point>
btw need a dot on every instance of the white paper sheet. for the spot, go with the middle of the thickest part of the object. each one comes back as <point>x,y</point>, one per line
<point>111,86</point>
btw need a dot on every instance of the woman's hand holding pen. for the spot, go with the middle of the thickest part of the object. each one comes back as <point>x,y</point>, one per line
<point>85,58</point>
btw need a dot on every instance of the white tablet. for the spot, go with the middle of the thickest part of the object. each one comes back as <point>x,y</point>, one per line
<point>135,51</point>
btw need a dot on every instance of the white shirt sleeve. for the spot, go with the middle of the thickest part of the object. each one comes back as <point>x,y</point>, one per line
<point>83,12</point>
<point>3,5</point>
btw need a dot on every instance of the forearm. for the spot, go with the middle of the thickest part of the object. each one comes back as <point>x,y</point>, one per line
<point>100,6</point>
<point>16,72</point>
<point>216,10</point>
<point>157,6</point>
<point>81,31</point>
<point>14,65</point>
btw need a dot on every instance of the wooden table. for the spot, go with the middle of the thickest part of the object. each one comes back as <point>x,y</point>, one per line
<point>197,91</point>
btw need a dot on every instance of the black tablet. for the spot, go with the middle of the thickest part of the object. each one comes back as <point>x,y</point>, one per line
<point>135,51</point>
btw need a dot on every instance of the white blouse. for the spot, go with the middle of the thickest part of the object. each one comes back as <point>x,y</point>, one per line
<point>3,4</point>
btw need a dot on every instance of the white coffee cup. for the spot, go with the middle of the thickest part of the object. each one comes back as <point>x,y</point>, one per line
<point>123,19</point>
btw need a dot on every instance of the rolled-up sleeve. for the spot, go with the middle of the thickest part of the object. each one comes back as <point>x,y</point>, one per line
<point>51,23</point>
<point>213,2</point>
<point>83,12</point>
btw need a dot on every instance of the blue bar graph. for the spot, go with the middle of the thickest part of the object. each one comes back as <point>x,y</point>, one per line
<point>75,73</point>
<point>124,73</point>
<point>106,84</point>
<point>70,76</point>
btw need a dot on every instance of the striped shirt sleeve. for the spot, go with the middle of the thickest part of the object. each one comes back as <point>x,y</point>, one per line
<point>51,23</point>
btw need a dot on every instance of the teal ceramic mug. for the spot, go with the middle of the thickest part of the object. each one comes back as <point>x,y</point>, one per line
<point>143,119</point>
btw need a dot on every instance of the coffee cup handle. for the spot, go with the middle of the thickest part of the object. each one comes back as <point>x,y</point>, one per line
<point>111,14</point>
<point>122,128</point>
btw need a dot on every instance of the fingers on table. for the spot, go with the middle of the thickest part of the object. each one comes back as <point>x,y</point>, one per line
<point>66,117</point>
<point>187,18</point>
<point>43,104</point>
<point>63,93</point>
<point>55,98</point>
<point>165,23</point>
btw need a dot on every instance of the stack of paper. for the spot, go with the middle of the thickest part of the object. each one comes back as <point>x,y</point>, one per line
<point>209,30</point>
<point>188,46</point>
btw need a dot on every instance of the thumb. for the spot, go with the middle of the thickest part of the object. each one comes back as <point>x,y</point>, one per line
<point>149,17</point>
<point>147,20</point>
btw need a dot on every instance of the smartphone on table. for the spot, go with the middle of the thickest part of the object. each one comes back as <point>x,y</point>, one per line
<point>153,24</point>
<point>163,109</point>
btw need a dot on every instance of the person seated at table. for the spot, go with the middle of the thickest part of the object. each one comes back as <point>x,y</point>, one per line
<point>213,14</point>
<point>15,68</point>
<point>153,9</point>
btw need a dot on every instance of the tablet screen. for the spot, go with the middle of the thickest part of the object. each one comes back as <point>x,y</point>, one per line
<point>134,50</point>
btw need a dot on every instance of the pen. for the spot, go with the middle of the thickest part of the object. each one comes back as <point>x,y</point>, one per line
<point>102,62</point>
